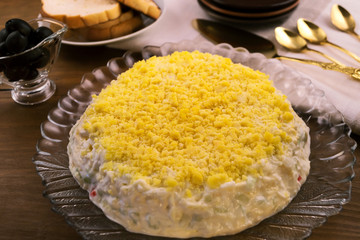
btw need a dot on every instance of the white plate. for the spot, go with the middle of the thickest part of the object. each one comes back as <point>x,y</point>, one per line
<point>148,22</point>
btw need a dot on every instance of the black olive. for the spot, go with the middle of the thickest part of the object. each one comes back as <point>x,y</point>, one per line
<point>3,49</point>
<point>33,73</point>
<point>41,33</point>
<point>42,60</point>
<point>3,34</point>
<point>16,42</point>
<point>2,67</point>
<point>30,44</point>
<point>20,25</point>
<point>31,56</point>
<point>15,73</point>
<point>32,40</point>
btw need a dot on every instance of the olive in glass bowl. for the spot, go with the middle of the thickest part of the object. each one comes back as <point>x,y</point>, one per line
<point>28,50</point>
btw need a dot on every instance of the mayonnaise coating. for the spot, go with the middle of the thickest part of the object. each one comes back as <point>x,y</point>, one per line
<point>189,145</point>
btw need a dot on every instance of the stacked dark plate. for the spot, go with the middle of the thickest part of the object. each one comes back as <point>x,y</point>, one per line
<point>245,10</point>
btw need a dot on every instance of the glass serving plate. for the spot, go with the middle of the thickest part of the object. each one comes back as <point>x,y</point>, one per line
<point>327,188</point>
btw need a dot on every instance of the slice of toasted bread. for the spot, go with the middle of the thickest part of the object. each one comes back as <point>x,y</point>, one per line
<point>147,7</point>
<point>81,13</point>
<point>124,26</point>
<point>127,23</point>
<point>125,15</point>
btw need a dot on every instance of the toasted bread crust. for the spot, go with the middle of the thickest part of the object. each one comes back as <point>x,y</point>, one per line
<point>108,24</point>
<point>128,22</point>
<point>147,7</point>
<point>80,21</point>
<point>118,30</point>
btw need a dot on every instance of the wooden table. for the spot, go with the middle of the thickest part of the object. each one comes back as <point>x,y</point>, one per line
<point>24,212</point>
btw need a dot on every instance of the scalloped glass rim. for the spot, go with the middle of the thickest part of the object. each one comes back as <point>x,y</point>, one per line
<point>327,188</point>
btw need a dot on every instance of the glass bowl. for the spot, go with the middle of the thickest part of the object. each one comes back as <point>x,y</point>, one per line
<point>326,190</point>
<point>36,62</point>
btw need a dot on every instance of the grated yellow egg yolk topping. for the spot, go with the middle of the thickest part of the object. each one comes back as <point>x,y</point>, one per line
<point>188,120</point>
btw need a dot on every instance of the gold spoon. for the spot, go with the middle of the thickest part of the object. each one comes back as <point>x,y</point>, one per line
<point>218,32</point>
<point>353,72</point>
<point>293,42</point>
<point>316,35</point>
<point>343,20</point>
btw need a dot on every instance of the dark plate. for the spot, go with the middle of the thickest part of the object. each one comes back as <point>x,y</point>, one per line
<point>252,6</point>
<point>248,20</point>
<point>243,14</point>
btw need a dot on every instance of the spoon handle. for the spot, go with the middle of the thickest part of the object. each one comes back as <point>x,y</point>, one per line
<point>324,55</point>
<point>353,55</point>
<point>354,34</point>
<point>353,72</point>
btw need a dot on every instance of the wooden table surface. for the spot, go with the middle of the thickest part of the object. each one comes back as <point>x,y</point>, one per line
<point>24,212</point>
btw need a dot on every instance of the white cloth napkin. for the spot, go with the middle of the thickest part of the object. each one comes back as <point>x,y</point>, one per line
<point>342,91</point>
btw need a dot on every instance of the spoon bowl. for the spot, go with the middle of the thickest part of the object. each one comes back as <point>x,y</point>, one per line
<point>219,33</point>
<point>343,20</point>
<point>311,31</point>
<point>314,34</point>
<point>295,43</point>
<point>290,40</point>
